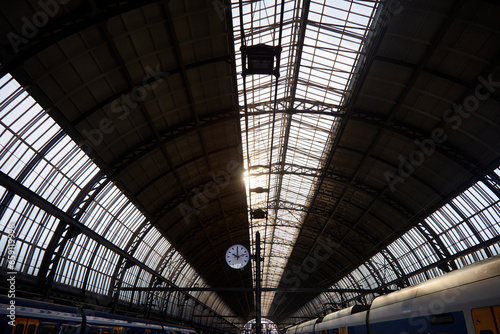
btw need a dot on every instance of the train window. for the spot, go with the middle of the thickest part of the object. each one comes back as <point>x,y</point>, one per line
<point>69,329</point>
<point>19,329</point>
<point>31,329</point>
<point>335,331</point>
<point>442,319</point>
<point>49,330</point>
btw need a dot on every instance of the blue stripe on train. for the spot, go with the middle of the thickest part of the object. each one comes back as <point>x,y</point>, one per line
<point>357,330</point>
<point>418,325</point>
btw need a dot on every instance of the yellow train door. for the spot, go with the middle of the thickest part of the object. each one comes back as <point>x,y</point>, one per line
<point>496,314</point>
<point>25,326</point>
<point>117,330</point>
<point>19,326</point>
<point>486,320</point>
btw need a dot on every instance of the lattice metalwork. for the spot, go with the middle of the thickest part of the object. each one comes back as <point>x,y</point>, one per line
<point>41,157</point>
<point>288,125</point>
<point>466,230</point>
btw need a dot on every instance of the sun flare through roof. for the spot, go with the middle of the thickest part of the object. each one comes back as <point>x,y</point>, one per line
<point>38,154</point>
<point>139,140</point>
<point>289,125</point>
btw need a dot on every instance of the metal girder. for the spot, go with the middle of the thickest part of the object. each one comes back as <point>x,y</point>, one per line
<point>252,289</point>
<point>430,71</point>
<point>435,42</point>
<point>154,282</point>
<point>140,106</point>
<point>341,30</point>
<point>88,194</point>
<point>354,282</point>
<point>285,169</point>
<point>185,162</point>
<point>365,235</point>
<point>154,285</point>
<point>165,136</point>
<point>56,30</point>
<point>179,200</point>
<point>300,106</point>
<point>471,226</point>
<point>193,106</point>
<point>367,189</point>
<point>64,231</point>
<point>290,206</point>
<point>287,119</point>
<point>296,111</point>
<point>25,193</point>
<point>445,261</point>
<point>414,133</point>
<point>123,264</point>
<point>437,245</point>
<point>492,181</point>
<point>150,80</point>
<point>48,207</point>
<point>30,166</point>
<point>395,265</point>
<point>208,222</point>
<point>294,83</point>
<point>375,273</point>
<point>329,174</point>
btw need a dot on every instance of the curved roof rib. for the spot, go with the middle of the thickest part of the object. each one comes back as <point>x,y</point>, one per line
<point>133,152</point>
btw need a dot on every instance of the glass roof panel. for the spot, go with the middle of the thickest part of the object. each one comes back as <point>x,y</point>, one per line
<point>320,46</point>
<point>35,151</point>
<point>468,219</point>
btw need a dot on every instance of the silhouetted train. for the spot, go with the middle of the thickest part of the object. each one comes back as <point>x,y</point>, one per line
<point>463,301</point>
<point>22,316</point>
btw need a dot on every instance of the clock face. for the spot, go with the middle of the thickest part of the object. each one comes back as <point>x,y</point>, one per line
<point>237,256</point>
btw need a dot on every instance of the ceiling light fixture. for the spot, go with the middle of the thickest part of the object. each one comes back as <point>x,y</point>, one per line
<point>261,59</point>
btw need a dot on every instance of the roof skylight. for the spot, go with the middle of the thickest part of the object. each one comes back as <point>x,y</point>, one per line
<point>285,136</point>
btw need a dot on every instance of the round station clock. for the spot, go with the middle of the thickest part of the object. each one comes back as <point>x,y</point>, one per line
<point>237,256</point>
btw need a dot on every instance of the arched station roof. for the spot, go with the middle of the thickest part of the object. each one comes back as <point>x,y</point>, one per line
<point>133,151</point>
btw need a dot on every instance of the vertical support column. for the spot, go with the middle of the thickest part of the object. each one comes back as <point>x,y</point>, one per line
<point>258,291</point>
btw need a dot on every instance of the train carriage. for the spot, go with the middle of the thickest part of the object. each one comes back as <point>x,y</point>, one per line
<point>465,301</point>
<point>21,316</point>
